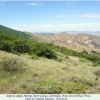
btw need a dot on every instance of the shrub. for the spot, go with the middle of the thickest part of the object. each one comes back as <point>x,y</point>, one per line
<point>46,86</point>
<point>24,85</point>
<point>82,60</point>
<point>12,64</point>
<point>43,50</point>
<point>74,88</point>
<point>14,52</point>
<point>81,80</point>
<point>59,59</point>
<point>66,57</point>
<point>95,64</point>
<point>93,51</point>
<point>97,73</point>
<point>33,56</point>
<point>65,68</point>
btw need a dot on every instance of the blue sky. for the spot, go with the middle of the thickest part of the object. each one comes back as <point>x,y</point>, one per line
<point>48,16</point>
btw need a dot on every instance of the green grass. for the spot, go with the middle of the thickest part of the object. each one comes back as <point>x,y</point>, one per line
<point>49,76</point>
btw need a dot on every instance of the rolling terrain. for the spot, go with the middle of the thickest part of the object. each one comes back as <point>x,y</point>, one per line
<point>74,41</point>
<point>37,67</point>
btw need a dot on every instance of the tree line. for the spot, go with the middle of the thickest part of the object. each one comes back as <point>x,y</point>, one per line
<point>15,44</point>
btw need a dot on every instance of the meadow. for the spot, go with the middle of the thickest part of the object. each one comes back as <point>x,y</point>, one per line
<point>68,75</point>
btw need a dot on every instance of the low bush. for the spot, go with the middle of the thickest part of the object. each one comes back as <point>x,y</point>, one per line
<point>82,80</point>
<point>24,85</point>
<point>59,59</point>
<point>96,64</point>
<point>12,64</point>
<point>74,88</point>
<point>97,73</point>
<point>33,56</point>
<point>46,86</point>
<point>66,57</point>
<point>14,52</point>
<point>82,60</point>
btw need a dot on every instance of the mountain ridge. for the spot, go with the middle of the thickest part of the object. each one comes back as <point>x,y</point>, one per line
<point>8,30</point>
<point>74,41</point>
<point>81,40</point>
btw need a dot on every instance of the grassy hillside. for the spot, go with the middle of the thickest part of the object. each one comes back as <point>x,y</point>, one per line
<point>36,49</point>
<point>70,75</point>
<point>18,45</point>
<point>14,32</point>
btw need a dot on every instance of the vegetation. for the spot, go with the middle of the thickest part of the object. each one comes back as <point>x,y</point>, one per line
<point>57,74</point>
<point>46,75</point>
<point>34,56</point>
<point>75,88</point>
<point>12,65</point>
<point>46,86</point>
<point>13,32</point>
<point>93,57</point>
<point>97,73</point>
<point>19,45</point>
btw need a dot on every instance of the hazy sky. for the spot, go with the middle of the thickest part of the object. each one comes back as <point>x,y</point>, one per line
<point>48,16</point>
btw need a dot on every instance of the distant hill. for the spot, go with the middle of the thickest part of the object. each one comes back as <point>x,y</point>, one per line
<point>14,32</point>
<point>81,40</point>
<point>73,41</point>
<point>97,33</point>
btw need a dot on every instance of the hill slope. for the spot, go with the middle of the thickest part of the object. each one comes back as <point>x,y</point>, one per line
<point>71,40</point>
<point>71,75</point>
<point>14,32</point>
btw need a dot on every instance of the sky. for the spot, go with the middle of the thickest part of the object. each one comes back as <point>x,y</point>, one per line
<point>50,16</point>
